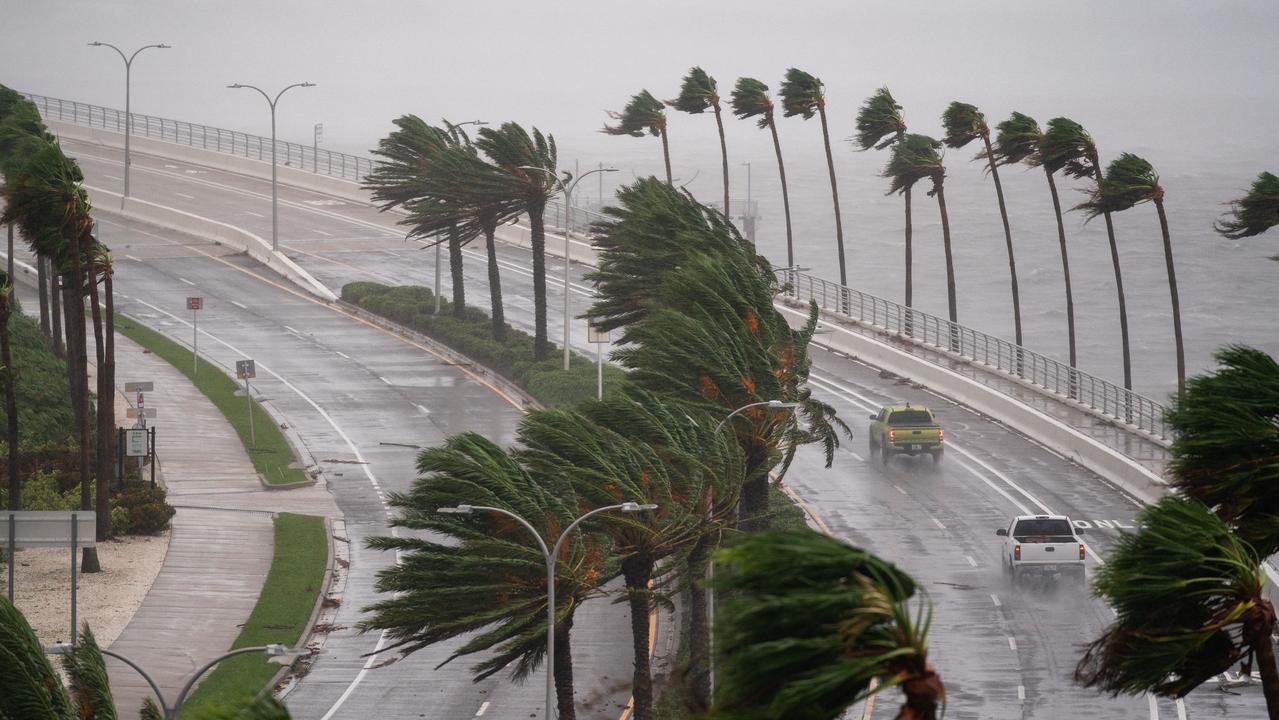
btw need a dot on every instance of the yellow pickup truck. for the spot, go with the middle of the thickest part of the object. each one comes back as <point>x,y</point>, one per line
<point>906,430</point>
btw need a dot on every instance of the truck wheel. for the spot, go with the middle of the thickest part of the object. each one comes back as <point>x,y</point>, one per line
<point>937,455</point>
<point>870,439</point>
<point>1015,574</point>
<point>884,454</point>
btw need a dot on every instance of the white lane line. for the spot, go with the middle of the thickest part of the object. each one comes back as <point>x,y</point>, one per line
<point>392,253</point>
<point>242,306</point>
<point>184,195</point>
<point>1012,643</point>
<point>112,177</point>
<point>938,523</point>
<point>358,677</point>
<point>295,332</point>
<point>379,377</point>
<point>344,355</point>
<point>423,409</point>
<point>321,232</point>
<point>1154,707</point>
<point>483,708</point>
<point>1181,709</point>
<point>250,212</point>
<point>134,259</point>
<point>1021,692</point>
<point>899,489</point>
<point>188,282</point>
<point>970,560</point>
<point>857,457</point>
<point>995,599</point>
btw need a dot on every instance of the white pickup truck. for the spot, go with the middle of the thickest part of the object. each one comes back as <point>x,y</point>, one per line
<point>1043,545</point>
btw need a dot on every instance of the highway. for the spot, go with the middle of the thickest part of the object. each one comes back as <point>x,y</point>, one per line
<point>346,388</point>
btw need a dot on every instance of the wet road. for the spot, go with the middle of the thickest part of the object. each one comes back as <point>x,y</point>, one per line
<point>1004,653</point>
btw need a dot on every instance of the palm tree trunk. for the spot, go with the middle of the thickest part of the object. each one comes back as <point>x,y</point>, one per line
<point>564,693</point>
<point>834,194</point>
<point>42,282</point>
<point>1008,241</point>
<point>10,256</point>
<point>723,154</point>
<point>950,265</point>
<point>495,283</point>
<point>538,241</point>
<point>10,403</point>
<point>1264,648</point>
<point>1172,289</point>
<point>699,628</point>
<point>666,155</point>
<point>781,170</point>
<point>455,271</point>
<point>1065,269</point>
<point>1119,283</point>
<point>56,312</point>
<point>105,416</point>
<point>637,571</point>
<point>89,560</point>
<point>910,286</point>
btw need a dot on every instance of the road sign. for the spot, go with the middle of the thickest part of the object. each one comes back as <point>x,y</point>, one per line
<point>195,303</point>
<point>245,369</point>
<point>133,412</point>
<point>135,442</point>
<point>596,335</point>
<point>137,387</point>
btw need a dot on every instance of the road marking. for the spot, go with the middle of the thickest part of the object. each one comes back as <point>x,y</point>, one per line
<point>857,457</point>
<point>112,177</point>
<point>295,332</point>
<point>1154,707</point>
<point>483,708</point>
<point>938,523</point>
<point>1181,709</point>
<point>344,355</point>
<point>423,409</point>
<point>321,232</point>
<point>970,560</point>
<point>188,282</point>
<point>240,305</point>
<point>899,489</point>
<point>358,677</point>
<point>379,377</point>
<point>184,195</point>
<point>133,258</point>
<point>1021,692</point>
<point>392,253</point>
<point>995,599</point>
<point>1012,643</point>
<point>250,212</point>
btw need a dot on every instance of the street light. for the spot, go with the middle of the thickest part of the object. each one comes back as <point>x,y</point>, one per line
<point>171,712</point>
<point>437,239</point>
<point>568,231</point>
<point>128,115</point>
<point>275,199</point>
<point>550,557</point>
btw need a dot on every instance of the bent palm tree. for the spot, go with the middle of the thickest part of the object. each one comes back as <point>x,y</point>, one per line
<point>915,158</point>
<point>698,92</point>
<point>1068,147</point>
<point>802,94</point>
<point>1255,212</point>
<point>644,114</point>
<point>880,124</point>
<point>1130,181</point>
<point>1189,604</point>
<point>1226,451</point>
<point>10,391</point>
<point>813,622</point>
<point>750,99</point>
<point>965,123</point>
<point>1019,140</point>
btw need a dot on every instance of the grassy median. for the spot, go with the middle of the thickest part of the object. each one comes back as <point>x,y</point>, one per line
<point>280,616</point>
<point>271,454</point>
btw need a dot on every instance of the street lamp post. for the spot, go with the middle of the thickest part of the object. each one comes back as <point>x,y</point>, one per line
<point>170,712</point>
<point>567,189</point>
<point>128,114</point>
<point>549,556</point>
<point>275,196</point>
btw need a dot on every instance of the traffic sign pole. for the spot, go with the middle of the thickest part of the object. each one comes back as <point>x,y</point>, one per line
<point>195,304</point>
<point>253,439</point>
<point>246,369</point>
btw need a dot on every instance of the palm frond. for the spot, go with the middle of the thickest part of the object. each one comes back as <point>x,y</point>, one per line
<point>801,93</point>
<point>1068,147</point>
<point>29,687</point>
<point>914,158</point>
<point>963,123</point>
<point>879,121</point>
<point>644,114</point>
<point>697,93</point>
<point>87,673</point>
<point>751,100</point>
<point>1128,181</point>
<point>1254,213</point>
<point>1018,140</point>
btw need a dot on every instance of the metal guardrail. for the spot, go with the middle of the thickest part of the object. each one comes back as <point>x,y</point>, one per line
<point>1102,397</point>
<point>304,157</point>
<point>1033,369</point>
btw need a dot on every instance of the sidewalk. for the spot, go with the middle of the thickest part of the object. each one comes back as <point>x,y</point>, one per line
<point>222,538</point>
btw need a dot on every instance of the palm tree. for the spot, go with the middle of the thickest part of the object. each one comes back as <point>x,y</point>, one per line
<point>1068,147</point>
<point>100,265</point>
<point>880,124</point>
<point>802,94</point>
<point>1189,604</point>
<point>1129,181</point>
<point>1255,212</point>
<point>915,158</point>
<point>698,93</point>
<point>813,622</point>
<point>10,391</point>
<point>487,581</point>
<point>965,123</point>
<point>1225,453</point>
<point>644,114</point>
<point>22,135</point>
<point>1019,140</point>
<point>408,154</point>
<point>513,150</point>
<point>750,99</point>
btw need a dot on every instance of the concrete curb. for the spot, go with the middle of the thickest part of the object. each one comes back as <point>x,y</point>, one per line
<point>305,638</point>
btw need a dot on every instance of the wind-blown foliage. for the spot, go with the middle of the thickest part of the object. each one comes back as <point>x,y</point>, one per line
<point>751,100</point>
<point>1188,599</point>
<point>644,114</point>
<point>698,93</point>
<point>813,621</point>
<point>87,673</point>
<point>879,121</point>
<point>1226,451</point>
<point>29,688</point>
<point>1254,213</point>
<point>915,158</point>
<point>803,95</point>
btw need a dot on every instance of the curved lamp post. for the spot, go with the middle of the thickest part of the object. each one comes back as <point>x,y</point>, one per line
<point>171,712</point>
<point>437,240</point>
<point>567,189</point>
<point>275,199</point>
<point>128,115</point>
<point>550,556</point>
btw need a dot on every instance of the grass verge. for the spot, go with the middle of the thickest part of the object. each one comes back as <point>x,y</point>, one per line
<point>271,454</point>
<point>280,616</point>
<point>413,306</point>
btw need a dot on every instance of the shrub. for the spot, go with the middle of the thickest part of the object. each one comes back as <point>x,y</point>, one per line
<point>119,521</point>
<point>41,492</point>
<point>147,508</point>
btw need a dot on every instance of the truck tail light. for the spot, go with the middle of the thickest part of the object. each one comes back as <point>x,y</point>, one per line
<point>941,434</point>
<point>1083,551</point>
<point>1016,552</point>
<point>892,434</point>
